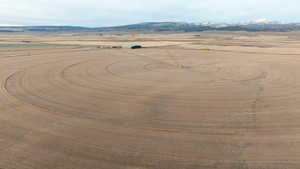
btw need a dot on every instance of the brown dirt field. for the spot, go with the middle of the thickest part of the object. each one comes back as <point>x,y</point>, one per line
<point>232,107</point>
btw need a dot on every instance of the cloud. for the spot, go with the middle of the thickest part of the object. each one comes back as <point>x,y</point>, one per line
<point>116,12</point>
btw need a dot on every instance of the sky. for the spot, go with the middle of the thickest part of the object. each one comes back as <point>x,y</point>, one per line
<point>97,13</point>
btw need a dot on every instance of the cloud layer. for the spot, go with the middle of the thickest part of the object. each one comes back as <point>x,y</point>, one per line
<point>116,12</point>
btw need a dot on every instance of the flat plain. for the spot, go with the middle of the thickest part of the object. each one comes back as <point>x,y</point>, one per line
<point>203,100</point>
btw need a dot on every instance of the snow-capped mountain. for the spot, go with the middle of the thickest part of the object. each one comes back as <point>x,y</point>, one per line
<point>258,25</point>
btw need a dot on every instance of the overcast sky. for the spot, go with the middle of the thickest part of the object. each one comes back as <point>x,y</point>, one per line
<point>119,12</point>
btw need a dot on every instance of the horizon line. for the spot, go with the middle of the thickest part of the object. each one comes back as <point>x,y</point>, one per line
<point>259,21</point>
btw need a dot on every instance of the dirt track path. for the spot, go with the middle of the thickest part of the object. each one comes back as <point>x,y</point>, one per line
<point>150,108</point>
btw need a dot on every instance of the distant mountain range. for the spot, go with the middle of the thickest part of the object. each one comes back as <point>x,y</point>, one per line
<point>165,26</point>
<point>41,28</point>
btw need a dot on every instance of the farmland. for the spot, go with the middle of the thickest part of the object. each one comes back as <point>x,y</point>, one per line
<point>208,100</point>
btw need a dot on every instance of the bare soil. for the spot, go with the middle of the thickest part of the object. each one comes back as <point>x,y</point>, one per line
<point>189,101</point>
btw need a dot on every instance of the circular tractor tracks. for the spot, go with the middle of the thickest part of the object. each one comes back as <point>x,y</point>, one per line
<point>222,110</point>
